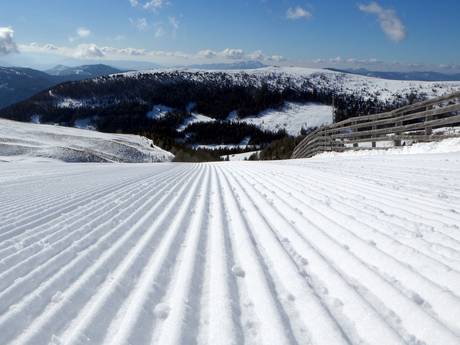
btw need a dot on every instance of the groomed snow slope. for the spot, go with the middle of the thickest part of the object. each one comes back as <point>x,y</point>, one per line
<point>326,251</point>
<point>23,141</point>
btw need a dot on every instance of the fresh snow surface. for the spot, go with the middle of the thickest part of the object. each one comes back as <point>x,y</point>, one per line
<point>331,251</point>
<point>25,141</point>
<point>292,117</point>
<point>444,146</point>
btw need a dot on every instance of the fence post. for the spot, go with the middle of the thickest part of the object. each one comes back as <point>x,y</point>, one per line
<point>374,144</point>
<point>354,130</point>
<point>397,142</point>
<point>429,129</point>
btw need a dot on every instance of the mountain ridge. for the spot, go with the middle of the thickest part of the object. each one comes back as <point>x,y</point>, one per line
<point>20,83</point>
<point>407,76</point>
<point>121,102</point>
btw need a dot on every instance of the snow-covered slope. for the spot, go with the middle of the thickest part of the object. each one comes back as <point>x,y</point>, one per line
<point>86,71</point>
<point>325,251</point>
<point>23,141</point>
<point>194,118</point>
<point>129,102</point>
<point>444,146</point>
<point>239,156</point>
<point>309,78</point>
<point>293,117</point>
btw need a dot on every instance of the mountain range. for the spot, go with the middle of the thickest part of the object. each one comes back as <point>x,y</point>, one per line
<point>211,107</point>
<point>18,83</point>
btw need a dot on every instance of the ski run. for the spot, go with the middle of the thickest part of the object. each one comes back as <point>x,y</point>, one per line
<point>325,251</point>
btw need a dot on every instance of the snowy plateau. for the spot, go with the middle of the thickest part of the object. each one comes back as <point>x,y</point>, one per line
<point>332,250</point>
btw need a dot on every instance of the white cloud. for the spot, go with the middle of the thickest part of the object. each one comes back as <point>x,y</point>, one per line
<point>93,51</point>
<point>7,44</point>
<point>140,24</point>
<point>337,59</point>
<point>83,32</point>
<point>294,13</point>
<point>159,31</point>
<point>234,54</point>
<point>257,55</point>
<point>123,51</point>
<point>347,61</point>
<point>389,21</point>
<point>276,58</point>
<point>151,5</point>
<point>237,54</point>
<point>207,54</point>
<point>174,23</point>
<point>154,5</point>
<point>85,51</point>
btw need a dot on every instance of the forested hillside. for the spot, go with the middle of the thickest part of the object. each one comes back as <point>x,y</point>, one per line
<point>124,102</point>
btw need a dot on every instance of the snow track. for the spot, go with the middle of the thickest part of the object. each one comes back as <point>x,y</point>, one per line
<point>342,250</point>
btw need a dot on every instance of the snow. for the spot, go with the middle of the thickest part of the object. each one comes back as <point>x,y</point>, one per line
<point>28,141</point>
<point>233,116</point>
<point>159,111</point>
<point>325,251</point>
<point>240,156</point>
<point>292,117</point>
<point>35,119</point>
<point>85,123</point>
<point>279,78</point>
<point>70,103</point>
<point>194,118</point>
<point>242,146</point>
<point>451,145</point>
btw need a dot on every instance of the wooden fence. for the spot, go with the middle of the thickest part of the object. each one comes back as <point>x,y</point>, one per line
<point>413,123</point>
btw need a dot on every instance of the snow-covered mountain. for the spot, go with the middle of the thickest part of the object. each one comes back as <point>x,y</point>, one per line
<point>410,75</point>
<point>84,71</point>
<point>18,83</point>
<point>125,102</point>
<point>26,141</point>
<point>301,79</point>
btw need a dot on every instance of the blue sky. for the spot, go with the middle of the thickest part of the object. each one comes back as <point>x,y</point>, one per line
<point>387,33</point>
